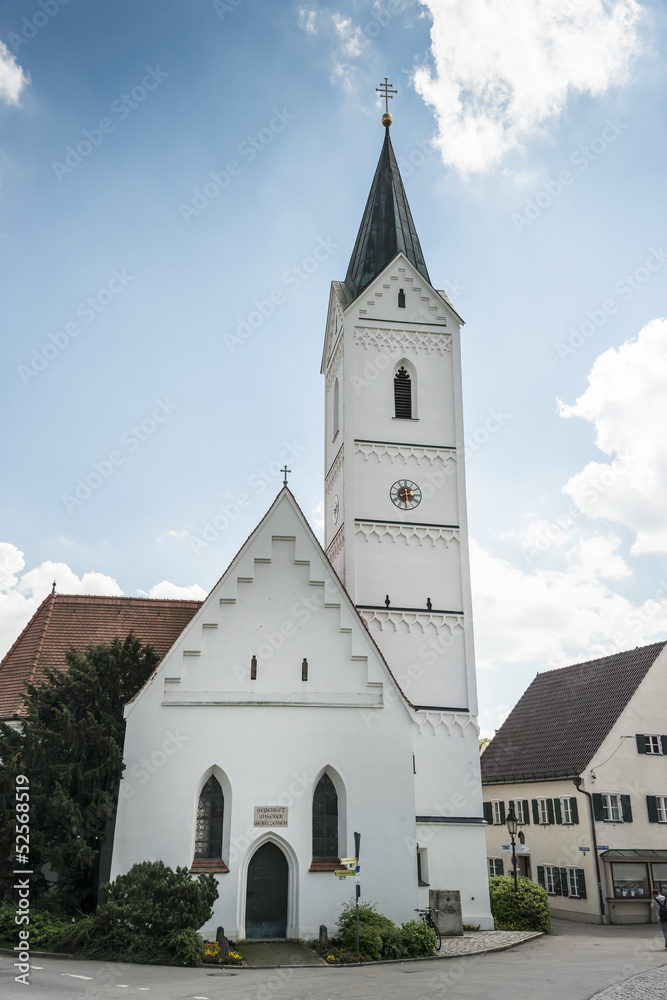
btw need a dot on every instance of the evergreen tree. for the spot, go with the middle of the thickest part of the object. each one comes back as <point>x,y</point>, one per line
<point>70,748</point>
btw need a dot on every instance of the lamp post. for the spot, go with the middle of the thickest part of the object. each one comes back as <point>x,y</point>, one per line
<point>512,827</point>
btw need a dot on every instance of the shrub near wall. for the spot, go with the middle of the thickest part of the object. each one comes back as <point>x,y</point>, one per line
<point>526,909</point>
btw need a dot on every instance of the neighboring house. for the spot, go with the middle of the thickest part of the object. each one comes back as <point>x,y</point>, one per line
<point>584,759</point>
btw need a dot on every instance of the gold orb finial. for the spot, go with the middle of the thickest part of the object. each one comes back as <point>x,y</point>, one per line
<point>388,94</point>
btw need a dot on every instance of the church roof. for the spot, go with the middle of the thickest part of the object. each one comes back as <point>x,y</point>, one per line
<point>386,229</point>
<point>64,620</point>
<point>557,726</point>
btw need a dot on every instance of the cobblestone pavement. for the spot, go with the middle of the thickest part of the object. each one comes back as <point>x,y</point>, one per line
<point>473,942</point>
<point>648,986</point>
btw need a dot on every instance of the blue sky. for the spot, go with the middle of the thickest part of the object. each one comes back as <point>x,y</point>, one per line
<point>166,167</point>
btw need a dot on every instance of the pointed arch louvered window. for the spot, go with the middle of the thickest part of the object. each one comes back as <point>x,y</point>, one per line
<point>325,819</point>
<point>336,409</point>
<point>208,842</point>
<point>402,394</point>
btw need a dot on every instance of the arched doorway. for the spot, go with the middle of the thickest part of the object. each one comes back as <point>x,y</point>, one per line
<point>266,895</point>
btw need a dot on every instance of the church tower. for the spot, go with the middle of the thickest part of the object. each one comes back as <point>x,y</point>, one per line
<point>395,509</point>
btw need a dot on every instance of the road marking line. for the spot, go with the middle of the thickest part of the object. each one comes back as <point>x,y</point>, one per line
<point>72,976</point>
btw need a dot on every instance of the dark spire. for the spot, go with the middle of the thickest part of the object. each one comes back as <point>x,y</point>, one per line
<point>386,228</point>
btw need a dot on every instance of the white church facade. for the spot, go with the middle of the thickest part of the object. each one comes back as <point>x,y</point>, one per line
<point>321,692</point>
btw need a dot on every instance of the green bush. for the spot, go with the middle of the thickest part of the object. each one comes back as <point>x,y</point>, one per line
<point>418,938</point>
<point>45,928</point>
<point>379,937</point>
<point>150,915</point>
<point>526,909</point>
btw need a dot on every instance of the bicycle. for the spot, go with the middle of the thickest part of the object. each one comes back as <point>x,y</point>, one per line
<point>426,916</point>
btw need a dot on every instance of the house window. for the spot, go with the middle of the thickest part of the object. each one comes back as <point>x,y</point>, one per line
<point>401,298</point>
<point>543,810</point>
<point>661,808</point>
<point>520,811</point>
<point>498,812</point>
<point>550,876</point>
<point>566,810</point>
<point>612,811</point>
<point>630,880</point>
<point>572,882</point>
<point>402,394</point>
<point>653,744</point>
<point>422,866</point>
<point>495,866</point>
<point>325,819</point>
<point>208,838</point>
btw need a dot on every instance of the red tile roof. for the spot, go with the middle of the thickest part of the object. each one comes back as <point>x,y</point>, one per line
<point>64,620</point>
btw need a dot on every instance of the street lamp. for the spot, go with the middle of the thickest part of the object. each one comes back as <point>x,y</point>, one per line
<point>512,827</point>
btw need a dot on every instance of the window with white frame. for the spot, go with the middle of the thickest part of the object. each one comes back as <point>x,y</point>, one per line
<point>612,811</point>
<point>495,866</point>
<point>566,809</point>
<point>661,806</point>
<point>498,818</point>
<point>550,879</point>
<point>543,810</point>
<point>653,744</point>
<point>519,811</point>
<point>572,882</point>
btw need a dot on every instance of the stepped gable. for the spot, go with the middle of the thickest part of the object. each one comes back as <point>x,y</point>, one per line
<point>64,620</point>
<point>556,727</point>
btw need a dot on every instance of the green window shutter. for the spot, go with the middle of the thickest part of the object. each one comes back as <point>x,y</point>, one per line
<point>598,811</point>
<point>581,883</point>
<point>627,808</point>
<point>540,875</point>
<point>641,743</point>
<point>526,811</point>
<point>575,810</point>
<point>652,808</point>
<point>563,882</point>
<point>502,813</point>
<point>488,812</point>
<point>500,867</point>
<point>557,886</point>
<point>550,810</point>
<point>559,813</point>
<point>536,815</point>
<point>663,740</point>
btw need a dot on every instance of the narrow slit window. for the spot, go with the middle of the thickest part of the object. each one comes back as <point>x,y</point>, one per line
<point>208,843</point>
<point>336,410</point>
<point>325,819</point>
<point>402,394</point>
<point>401,299</point>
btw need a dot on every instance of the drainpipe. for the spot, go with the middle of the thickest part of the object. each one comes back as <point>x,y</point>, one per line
<point>591,814</point>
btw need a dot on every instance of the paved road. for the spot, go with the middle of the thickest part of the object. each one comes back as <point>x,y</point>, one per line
<point>575,962</point>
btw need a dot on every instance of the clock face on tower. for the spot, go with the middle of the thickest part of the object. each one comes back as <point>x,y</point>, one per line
<point>405,494</point>
<point>334,509</point>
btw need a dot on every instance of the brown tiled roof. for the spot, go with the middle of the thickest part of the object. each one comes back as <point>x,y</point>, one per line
<point>563,717</point>
<point>64,620</point>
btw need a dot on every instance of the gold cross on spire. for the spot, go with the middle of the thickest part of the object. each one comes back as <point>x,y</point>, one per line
<point>388,94</point>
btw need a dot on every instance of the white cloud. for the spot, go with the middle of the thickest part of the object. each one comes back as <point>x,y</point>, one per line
<point>626,402</point>
<point>21,595</point>
<point>307,18</point>
<point>502,70</point>
<point>12,77</point>
<point>172,591</point>
<point>553,617</point>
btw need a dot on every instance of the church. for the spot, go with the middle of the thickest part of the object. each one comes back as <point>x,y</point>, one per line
<point>321,693</point>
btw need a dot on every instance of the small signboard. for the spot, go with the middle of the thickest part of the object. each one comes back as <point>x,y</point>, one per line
<point>270,816</point>
<point>603,847</point>
<point>342,872</point>
<point>518,849</point>
<point>584,849</point>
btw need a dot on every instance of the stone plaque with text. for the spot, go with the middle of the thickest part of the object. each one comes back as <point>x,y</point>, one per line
<point>270,816</point>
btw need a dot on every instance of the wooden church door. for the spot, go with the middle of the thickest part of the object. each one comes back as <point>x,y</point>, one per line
<point>266,898</point>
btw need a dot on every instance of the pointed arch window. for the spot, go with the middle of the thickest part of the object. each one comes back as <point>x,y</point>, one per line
<point>325,821</point>
<point>210,811</point>
<point>402,394</point>
<point>336,410</point>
